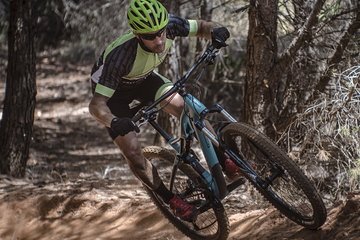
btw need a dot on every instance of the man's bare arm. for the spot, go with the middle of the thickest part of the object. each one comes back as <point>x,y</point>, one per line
<point>100,110</point>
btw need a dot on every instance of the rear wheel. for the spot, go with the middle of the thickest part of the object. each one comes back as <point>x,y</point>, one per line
<point>212,221</point>
<point>280,180</point>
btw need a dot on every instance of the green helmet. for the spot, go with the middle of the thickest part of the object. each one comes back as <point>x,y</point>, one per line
<point>146,16</point>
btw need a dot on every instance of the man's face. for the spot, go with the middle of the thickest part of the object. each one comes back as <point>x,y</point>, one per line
<point>155,41</point>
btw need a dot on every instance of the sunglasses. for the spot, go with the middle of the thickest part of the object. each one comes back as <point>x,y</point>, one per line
<point>152,36</point>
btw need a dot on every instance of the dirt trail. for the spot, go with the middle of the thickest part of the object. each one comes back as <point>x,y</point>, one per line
<point>78,187</point>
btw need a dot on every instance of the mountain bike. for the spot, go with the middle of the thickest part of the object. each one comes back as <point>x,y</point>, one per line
<point>203,184</point>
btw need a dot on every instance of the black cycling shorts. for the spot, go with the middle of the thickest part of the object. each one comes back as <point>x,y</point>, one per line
<point>132,96</point>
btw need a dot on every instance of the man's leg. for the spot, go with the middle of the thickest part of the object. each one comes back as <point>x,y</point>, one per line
<point>142,168</point>
<point>174,105</point>
<point>147,173</point>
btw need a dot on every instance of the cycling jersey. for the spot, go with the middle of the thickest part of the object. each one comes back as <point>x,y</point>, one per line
<point>126,61</point>
<point>125,70</point>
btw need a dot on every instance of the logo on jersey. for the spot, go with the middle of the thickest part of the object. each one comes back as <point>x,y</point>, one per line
<point>134,104</point>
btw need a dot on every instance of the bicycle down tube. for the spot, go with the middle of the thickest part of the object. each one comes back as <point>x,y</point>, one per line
<point>191,121</point>
<point>188,129</point>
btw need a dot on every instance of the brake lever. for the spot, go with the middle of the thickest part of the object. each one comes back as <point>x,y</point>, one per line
<point>143,117</point>
<point>219,44</point>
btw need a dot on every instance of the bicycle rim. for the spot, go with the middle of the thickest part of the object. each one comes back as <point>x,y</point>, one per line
<point>291,192</point>
<point>212,221</point>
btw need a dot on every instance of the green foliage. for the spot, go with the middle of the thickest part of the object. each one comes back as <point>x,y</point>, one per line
<point>330,9</point>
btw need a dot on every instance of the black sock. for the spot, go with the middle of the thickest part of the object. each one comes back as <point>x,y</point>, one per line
<point>164,193</point>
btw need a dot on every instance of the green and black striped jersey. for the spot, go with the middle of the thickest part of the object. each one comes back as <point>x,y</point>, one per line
<point>126,59</point>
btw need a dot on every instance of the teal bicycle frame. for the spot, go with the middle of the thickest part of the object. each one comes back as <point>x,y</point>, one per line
<point>192,123</point>
<point>196,111</point>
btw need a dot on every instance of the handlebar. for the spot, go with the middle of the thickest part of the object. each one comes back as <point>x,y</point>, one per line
<point>207,57</point>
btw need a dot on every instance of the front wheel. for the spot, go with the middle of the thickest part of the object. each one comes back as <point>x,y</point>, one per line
<point>211,222</point>
<point>278,179</point>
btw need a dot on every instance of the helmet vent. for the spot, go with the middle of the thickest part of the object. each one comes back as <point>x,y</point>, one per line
<point>145,16</point>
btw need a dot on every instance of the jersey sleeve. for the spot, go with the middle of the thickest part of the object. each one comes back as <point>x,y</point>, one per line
<point>180,27</point>
<point>117,64</point>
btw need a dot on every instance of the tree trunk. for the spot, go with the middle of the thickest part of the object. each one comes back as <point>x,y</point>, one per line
<point>354,26</point>
<point>19,105</point>
<point>261,55</point>
<point>168,69</point>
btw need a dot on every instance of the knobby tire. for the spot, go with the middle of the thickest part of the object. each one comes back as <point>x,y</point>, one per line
<point>293,194</point>
<point>215,217</point>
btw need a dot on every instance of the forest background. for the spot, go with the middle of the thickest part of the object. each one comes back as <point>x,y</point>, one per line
<point>291,68</point>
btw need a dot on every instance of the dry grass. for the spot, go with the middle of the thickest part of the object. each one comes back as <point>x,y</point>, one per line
<point>325,138</point>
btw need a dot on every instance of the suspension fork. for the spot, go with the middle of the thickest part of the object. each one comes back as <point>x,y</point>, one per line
<point>245,167</point>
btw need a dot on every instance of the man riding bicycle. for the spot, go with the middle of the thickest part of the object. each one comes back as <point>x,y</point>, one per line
<point>124,80</point>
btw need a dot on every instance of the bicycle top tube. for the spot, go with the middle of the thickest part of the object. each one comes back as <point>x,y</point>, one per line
<point>207,57</point>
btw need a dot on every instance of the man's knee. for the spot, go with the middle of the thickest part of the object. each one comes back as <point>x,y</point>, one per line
<point>129,145</point>
<point>176,105</point>
<point>178,102</point>
<point>133,154</point>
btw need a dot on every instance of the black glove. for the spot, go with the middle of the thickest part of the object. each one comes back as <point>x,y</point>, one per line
<point>123,126</point>
<point>218,36</point>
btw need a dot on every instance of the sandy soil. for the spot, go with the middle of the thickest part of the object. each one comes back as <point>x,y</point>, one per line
<point>79,187</point>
